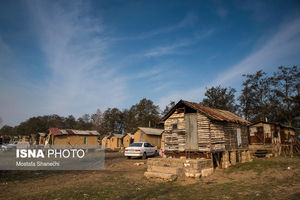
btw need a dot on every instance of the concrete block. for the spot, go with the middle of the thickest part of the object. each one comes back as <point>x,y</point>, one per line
<point>162,169</point>
<point>159,175</point>
<point>207,172</point>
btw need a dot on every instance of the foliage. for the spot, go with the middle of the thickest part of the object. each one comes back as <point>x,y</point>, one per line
<point>284,83</point>
<point>220,98</point>
<point>144,114</point>
<point>254,100</point>
<point>271,97</point>
<point>38,124</point>
<point>168,108</point>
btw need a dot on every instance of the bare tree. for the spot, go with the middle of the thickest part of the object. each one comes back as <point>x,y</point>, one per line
<point>97,118</point>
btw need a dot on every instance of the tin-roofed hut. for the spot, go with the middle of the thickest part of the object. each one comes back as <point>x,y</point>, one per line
<point>195,131</point>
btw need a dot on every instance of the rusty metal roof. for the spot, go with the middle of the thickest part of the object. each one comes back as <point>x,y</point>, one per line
<point>217,114</point>
<point>212,113</point>
<point>56,131</point>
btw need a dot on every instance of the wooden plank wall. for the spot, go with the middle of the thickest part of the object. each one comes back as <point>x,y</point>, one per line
<point>175,139</point>
<point>204,130</point>
<point>212,135</point>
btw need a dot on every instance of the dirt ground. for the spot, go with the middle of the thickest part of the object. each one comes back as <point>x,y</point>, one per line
<point>273,178</point>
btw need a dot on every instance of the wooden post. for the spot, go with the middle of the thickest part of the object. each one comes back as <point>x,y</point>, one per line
<point>233,157</point>
<point>225,160</point>
<point>244,157</point>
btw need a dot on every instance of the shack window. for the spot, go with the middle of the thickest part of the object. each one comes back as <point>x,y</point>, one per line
<point>85,140</point>
<point>174,126</point>
<point>239,137</point>
<point>275,132</point>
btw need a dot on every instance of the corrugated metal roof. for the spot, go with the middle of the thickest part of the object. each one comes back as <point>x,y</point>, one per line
<point>56,131</point>
<point>212,113</point>
<point>217,114</point>
<point>274,123</point>
<point>151,131</point>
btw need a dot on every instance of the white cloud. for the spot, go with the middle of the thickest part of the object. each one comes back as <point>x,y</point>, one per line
<point>173,47</point>
<point>281,49</point>
<point>74,52</point>
<point>190,19</point>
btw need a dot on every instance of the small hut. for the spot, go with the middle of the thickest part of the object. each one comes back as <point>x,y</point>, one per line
<point>116,141</point>
<point>128,139</point>
<point>197,131</point>
<point>42,138</point>
<point>112,141</point>
<point>70,137</point>
<point>272,137</point>
<point>150,135</point>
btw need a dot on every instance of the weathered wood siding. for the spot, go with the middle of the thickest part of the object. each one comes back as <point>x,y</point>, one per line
<point>212,135</point>
<point>175,139</point>
<point>204,133</point>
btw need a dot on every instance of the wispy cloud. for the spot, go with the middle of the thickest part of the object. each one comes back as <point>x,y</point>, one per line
<point>75,53</point>
<point>281,46</point>
<point>189,20</point>
<point>173,47</point>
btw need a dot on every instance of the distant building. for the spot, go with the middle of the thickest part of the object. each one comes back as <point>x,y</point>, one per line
<point>112,141</point>
<point>200,131</point>
<point>274,137</point>
<point>128,139</point>
<point>150,135</point>
<point>42,138</point>
<point>71,137</point>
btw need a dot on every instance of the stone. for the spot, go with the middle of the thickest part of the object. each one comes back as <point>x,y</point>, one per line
<point>159,175</point>
<point>207,172</point>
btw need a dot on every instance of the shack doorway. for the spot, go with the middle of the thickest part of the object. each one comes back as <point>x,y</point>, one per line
<point>217,159</point>
<point>191,131</point>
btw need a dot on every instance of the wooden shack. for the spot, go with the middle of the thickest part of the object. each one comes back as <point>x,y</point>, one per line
<point>128,139</point>
<point>112,141</point>
<point>41,138</point>
<point>116,141</point>
<point>272,137</point>
<point>70,137</point>
<point>194,131</point>
<point>150,135</point>
<point>105,143</point>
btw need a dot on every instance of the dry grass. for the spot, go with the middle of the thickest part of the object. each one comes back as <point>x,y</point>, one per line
<point>261,179</point>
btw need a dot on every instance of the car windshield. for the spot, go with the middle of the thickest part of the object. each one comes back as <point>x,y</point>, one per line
<point>136,145</point>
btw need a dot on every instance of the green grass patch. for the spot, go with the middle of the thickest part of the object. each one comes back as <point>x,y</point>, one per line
<point>258,166</point>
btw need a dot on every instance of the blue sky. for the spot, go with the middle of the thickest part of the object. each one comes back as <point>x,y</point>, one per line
<point>72,57</point>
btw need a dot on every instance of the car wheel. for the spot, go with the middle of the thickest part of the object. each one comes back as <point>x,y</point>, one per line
<point>128,157</point>
<point>144,156</point>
